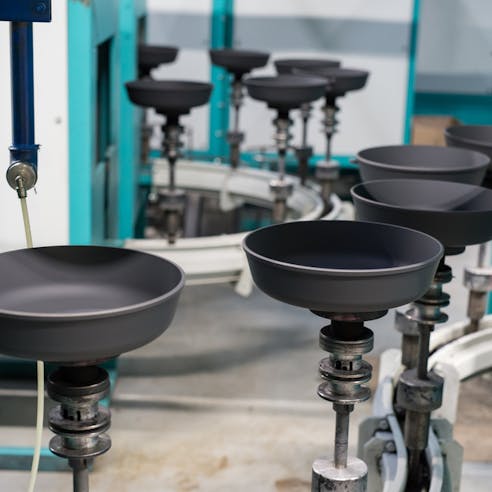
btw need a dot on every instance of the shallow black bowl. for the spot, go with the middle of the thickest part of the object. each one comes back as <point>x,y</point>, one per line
<point>422,162</point>
<point>151,56</point>
<point>456,214</point>
<point>239,62</point>
<point>83,303</point>
<point>339,80</point>
<point>285,92</point>
<point>341,266</point>
<point>289,65</point>
<point>169,96</point>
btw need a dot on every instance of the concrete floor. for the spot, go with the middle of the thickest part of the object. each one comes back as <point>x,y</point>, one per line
<point>226,400</point>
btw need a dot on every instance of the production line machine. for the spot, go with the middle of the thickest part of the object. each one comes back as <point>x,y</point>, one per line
<point>83,303</point>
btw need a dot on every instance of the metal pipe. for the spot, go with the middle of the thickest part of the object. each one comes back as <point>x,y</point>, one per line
<point>423,357</point>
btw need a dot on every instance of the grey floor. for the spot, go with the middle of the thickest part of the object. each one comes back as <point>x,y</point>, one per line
<point>225,400</point>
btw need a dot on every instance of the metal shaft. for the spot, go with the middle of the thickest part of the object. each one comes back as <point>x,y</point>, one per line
<point>80,475</point>
<point>341,434</point>
<point>328,148</point>
<point>423,357</point>
<point>410,351</point>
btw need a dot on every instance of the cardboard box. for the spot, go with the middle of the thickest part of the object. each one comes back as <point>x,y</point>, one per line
<point>429,130</point>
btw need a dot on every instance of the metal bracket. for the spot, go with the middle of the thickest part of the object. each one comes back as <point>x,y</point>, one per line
<point>26,11</point>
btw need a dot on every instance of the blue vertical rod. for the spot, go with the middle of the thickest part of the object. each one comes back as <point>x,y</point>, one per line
<point>412,64</point>
<point>221,37</point>
<point>23,148</point>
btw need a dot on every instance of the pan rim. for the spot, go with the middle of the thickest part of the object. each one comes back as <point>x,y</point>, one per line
<point>424,170</point>
<point>346,272</point>
<point>103,313</point>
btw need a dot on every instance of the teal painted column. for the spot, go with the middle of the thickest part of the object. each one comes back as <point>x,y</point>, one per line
<point>81,93</point>
<point>129,117</point>
<point>412,67</point>
<point>221,36</point>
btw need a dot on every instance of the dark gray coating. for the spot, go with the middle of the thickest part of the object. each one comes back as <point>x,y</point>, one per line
<point>473,137</point>
<point>168,97</point>
<point>342,266</point>
<point>456,214</point>
<point>151,56</point>
<point>80,303</point>
<point>422,162</point>
<point>288,65</point>
<point>239,62</point>
<point>339,80</point>
<point>285,92</point>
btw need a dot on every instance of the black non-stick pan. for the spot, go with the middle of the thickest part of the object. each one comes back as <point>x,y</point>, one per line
<point>289,65</point>
<point>83,303</point>
<point>342,266</point>
<point>174,97</point>
<point>422,162</point>
<point>456,214</point>
<point>286,92</point>
<point>239,62</point>
<point>151,56</point>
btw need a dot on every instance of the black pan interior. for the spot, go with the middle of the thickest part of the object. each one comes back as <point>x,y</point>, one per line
<point>339,245</point>
<point>426,157</point>
<point>82,280</point>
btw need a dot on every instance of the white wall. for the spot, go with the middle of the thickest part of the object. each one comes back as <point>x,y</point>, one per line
<point>352,30</point>
<point>49,207</point>
<point>455,46</point>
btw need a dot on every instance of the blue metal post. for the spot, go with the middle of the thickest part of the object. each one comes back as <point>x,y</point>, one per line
<point>221,37</point>
<point>23,148</point>
<point>412,64</point>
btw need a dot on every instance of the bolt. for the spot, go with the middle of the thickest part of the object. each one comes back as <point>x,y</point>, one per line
<point>40,7</point>
<point>383,425</point>
<point>389,447</point>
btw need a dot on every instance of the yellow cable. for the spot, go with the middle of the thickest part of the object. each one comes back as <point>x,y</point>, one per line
<point>40,376</point>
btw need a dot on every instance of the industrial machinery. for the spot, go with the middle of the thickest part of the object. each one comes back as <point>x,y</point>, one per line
<point>81,309</point>
<point>171,99</point>
<point>457,215</point>
<point>284,93</point>
<point>238,63</point>
<point>289,66</point>
<point>339,81</point>
<point>302,264</point>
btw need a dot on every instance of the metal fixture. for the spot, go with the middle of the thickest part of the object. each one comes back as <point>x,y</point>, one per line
<point>171,99</point>
<point>304,151</point>
<point>282,187</point>
<point>79,422</point>
<point>238,63</point>
<point>292,66</point>
<point>479,282</point>
<point>419,392</point>
<point>284,93</point>
<point>299,263</point>
<point>345,372</point>
<point>234,136</point>
<point>172,201</point>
